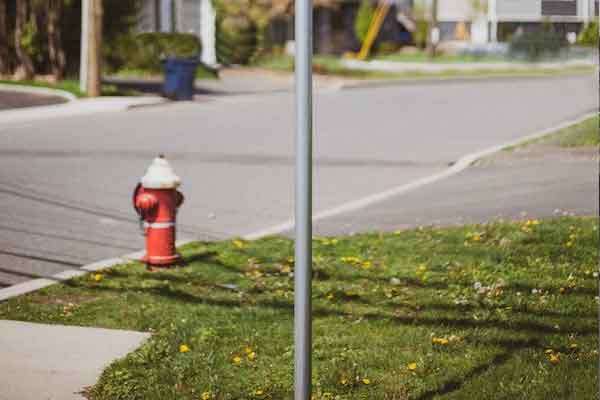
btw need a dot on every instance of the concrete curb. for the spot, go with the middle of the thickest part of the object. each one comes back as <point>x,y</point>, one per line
<point>460,165</point>
<point>39,90</point>
<point>36,284</point>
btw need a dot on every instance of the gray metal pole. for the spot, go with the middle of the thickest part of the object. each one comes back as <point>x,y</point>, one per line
<point>303,256</point>
<point>83,58</point>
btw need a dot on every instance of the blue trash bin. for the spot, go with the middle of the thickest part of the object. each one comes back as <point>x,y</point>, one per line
<point>179,78</point>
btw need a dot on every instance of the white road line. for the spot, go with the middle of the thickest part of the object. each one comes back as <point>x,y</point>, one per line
<point>460,165</point>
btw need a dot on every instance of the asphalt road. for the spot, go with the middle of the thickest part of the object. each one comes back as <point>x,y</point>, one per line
<point>65,184</point>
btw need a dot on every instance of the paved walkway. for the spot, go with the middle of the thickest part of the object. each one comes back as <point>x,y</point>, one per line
<point>55,362</point>
<point>232,81</point>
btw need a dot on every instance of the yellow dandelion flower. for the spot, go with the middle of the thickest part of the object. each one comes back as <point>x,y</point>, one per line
<point>476,238</point>
<point>334,241</point>
<point>366,381</point>
<point>330,296</point>
<point>205,396</point>
<point>573,346</point>
<point>259,392</point>
<point>554,359</point>
<point>184,348</point>
<point>248,350</point>
<point>411,366</point>
<point>569,244</point>
<point>366,264</point>
<point>286,269</point>
<point>440,341</point>
<point>236,360</point>
<point>239,244</point>
<point>251,356</point>
<point>97,277</point>
<point>344,380</point>
<point>562,290</point>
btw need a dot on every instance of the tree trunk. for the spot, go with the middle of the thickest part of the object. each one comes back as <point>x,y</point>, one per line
<point>4,65</point>
<point>94,49</point>
<point>56,52</point>
<point>25,69</point>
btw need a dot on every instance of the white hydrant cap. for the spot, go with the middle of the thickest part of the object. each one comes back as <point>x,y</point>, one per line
<point>160,175</point>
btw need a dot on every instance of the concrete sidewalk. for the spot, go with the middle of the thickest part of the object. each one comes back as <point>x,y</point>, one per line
<point>75,107</point>
<point>535,181</point>
<point>55,362</point>
<point>232,81</point>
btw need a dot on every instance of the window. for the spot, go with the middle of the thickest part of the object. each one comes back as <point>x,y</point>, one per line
<point>559,7</point>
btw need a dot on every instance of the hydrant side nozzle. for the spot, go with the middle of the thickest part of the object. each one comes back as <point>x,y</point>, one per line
<point>146,202</point>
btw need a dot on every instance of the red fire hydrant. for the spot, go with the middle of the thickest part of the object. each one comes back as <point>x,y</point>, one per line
<point>156,200</point>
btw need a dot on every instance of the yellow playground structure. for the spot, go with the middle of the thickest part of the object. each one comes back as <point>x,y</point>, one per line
<point>383,7</point>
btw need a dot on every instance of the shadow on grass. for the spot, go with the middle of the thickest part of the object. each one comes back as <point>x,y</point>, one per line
<point>509,347</point>
<point>464,323</point>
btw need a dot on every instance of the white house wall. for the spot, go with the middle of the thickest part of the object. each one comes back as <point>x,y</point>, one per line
<point>190,21</point>
<point>454,10</point>
<point>519,10</point>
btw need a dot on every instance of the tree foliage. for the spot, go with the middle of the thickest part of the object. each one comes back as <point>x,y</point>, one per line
<point>363,20</point>
<point>589,35</point>
<point>44,36</point>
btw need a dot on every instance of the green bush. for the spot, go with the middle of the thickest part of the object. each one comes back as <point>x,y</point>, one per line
<point>237,39</point>
<point>537,44</point>
<point>363,20</point>
<point>144,51</point>
<point>589,35</point>
<point>421,33</point>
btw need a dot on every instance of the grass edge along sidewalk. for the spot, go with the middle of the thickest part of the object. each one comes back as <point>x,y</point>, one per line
<point>502,310</point>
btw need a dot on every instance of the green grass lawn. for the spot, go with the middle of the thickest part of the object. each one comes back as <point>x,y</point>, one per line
<point>423,57</point>
<point>586,133</point>
<point>497,311</point>
<point>72,86</point>
<point>331,65</point>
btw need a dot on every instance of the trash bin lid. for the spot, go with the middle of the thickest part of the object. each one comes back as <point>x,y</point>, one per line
<point>160,175</point>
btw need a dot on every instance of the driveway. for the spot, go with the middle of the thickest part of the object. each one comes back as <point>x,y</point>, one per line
<point>17,99</point>
<point>65,184</point>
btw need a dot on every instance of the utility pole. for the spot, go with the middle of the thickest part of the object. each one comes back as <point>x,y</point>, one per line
<point>94,48</point>
<point>83,57</point>
<point>303,250</point>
